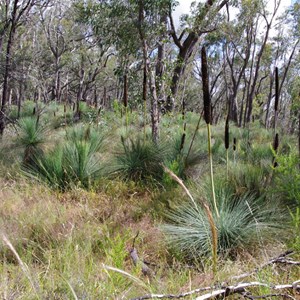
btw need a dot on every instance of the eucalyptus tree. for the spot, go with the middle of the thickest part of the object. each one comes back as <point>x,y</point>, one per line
<point>203,21</point>
<point>117,23</point>
<point>13,14</point>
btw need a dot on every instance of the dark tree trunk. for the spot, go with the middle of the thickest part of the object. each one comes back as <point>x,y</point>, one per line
<point>184,54</point>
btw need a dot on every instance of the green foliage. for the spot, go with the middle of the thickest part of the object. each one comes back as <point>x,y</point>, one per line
<point>76,162</point>
<point>31,136</point>
<point>178,158</point>
<point>287,178</point>
<point>245,178</point>
<point>140,160</point>
<point>244,221</point>
<point>295,243</point>
<point>25,111</point>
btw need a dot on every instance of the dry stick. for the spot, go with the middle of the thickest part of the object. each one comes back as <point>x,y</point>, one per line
<point>172,296</point>
<point>280,259</point>
<point>208,213</point>
<point>247,296</point>
<point>241,288</point>
<point>223,292</point>
<point>23,266</point>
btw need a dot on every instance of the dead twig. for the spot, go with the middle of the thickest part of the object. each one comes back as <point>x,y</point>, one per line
<point>251,297</point>
<point>225,291</point>
<point>239,288</point>
<point>173,296</point>
<point>280,259</point>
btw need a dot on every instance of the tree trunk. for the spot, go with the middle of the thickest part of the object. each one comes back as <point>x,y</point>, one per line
<point>148,73</point>
<point>184,54</point>
<point>186,48</point>
<point>7,72</point>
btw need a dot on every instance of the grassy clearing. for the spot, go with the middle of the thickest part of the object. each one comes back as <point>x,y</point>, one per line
<point>74,242</point>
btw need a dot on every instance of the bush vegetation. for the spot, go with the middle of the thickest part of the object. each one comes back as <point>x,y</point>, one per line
<point>74,217</point>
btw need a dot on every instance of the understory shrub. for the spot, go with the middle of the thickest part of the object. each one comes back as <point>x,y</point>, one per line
<point>245,178</point>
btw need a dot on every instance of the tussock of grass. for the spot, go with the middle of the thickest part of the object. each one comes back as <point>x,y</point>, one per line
<point>140,160</point>
<point>244,221</point>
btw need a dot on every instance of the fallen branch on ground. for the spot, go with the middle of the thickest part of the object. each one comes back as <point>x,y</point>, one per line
<point>280,259</point>
<point>240,288</point>
<point>226,291</point>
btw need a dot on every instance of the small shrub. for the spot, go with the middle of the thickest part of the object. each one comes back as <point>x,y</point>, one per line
<point>26,110</point>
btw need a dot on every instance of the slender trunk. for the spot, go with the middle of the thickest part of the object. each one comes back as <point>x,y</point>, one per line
<point>160,68</point>
<point>269,102</point>
<point>151,75</point>
<point>242,108</point>
<point>258,62</point>
<point>154,109</point>
<point>6,78</point>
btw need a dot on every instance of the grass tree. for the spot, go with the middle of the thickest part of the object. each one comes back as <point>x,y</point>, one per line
<point>243,221</point>
<point>140,160</point>
<point>31,136</point>
<point>74,162</point>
